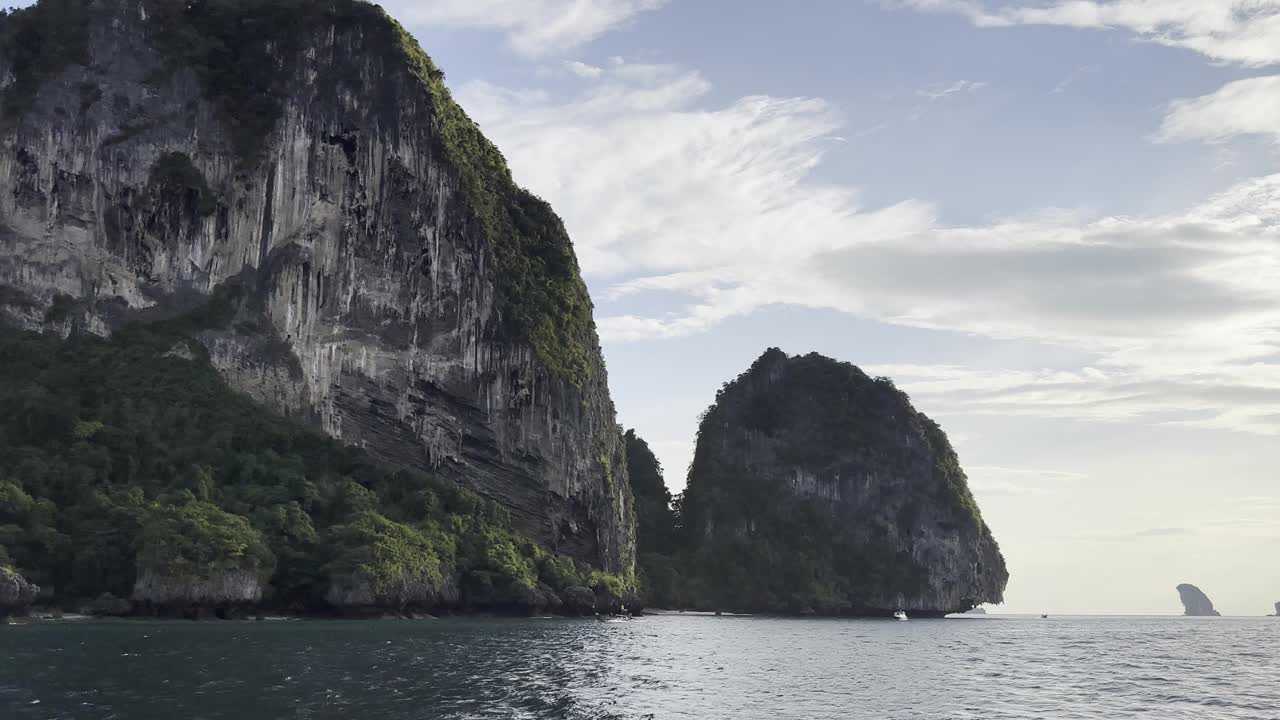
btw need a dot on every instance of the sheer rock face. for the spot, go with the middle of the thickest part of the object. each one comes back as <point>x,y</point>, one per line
<point>356,591</point>
<point>16,594</point>
<point>161,590</point>
<point>1277,610</point>
<point>371,278</point>
<point>1195,602</point>
<point>809,440</point>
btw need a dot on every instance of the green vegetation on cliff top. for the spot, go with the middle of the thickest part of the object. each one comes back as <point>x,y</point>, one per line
<point>200,541</point>
<point>119,454</point>
<point>38,42</point>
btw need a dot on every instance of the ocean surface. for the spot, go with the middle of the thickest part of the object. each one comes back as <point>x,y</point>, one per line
<point>673,666</point>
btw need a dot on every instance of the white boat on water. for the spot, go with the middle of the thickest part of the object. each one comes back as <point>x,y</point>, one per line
<point>900,616</point>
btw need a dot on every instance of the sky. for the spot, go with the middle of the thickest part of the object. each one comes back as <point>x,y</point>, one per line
<point>1055,224</point>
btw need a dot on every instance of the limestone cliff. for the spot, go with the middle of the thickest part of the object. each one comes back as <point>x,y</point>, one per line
<point>226,589</point>
<point>292,181</point>
<point>1195,602</point>
<point>16,594</point>
<point>815,488</point>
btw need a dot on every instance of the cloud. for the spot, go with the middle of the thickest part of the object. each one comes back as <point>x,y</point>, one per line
<point>941,92</point>
<point>1246,32</point>
<point>1128,537</point>
<point>1026,473</point>
<point>1165,532</point>
<point>1243,107</point>
<point>533,27</point>
<point>993,480</point>
<point>583,70</point>
<point>713,211</point>
<point>650,182</point>
<point>1073,76</point>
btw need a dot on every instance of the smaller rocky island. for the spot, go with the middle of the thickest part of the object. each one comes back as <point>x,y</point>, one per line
<point>1277,610</point>
<point>1195,602</point>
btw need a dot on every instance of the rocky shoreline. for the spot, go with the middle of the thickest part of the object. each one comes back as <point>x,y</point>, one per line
<point>577,602</point>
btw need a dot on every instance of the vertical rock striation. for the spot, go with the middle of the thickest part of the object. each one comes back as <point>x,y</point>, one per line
<point>16,594</point>
<point>815,488</point>
<point>363,258</point>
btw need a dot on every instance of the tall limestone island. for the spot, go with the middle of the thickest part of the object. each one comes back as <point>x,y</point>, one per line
<point>815,488</point>
<point>292,183</point>
<point>1195,603</point>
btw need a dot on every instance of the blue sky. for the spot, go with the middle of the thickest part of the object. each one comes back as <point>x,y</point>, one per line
<point>1053,223</point>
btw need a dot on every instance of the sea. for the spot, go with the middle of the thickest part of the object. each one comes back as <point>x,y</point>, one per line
<point>668,666</point>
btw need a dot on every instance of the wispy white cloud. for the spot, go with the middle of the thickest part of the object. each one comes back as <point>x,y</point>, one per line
<point>1073,76</point>
<point>1165,532</point>
<point>992,480</point>
<point>716,211</point>
<point>1238,31</point>
<point>946,90</point>
<point>1243,107</point>
<point>583,70</point>
<point>533,27</point>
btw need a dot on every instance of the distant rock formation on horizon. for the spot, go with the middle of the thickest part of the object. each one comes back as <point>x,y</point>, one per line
<point>1197,604</point>
<point>1277,610</point>
<point>976,611</point>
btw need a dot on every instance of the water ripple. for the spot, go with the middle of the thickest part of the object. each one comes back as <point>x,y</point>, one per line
<point>663,667</point>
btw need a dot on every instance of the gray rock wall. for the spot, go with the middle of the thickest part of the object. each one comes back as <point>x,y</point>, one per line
<point>1195,603</point>
<point>230,588</point>
<point>16,594</point>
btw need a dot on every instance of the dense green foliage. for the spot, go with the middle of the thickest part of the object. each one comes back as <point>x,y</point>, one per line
<point>199,541</point>
<point>37,43</point>
<point>657,526</point>
<point>392,557</point>
<point>655,519</point>
<point>119,454</point>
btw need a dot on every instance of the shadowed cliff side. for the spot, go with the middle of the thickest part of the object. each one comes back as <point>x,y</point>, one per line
<point>815,488</point>
<point>657,529</point>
